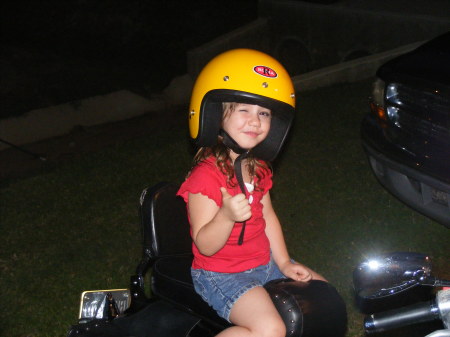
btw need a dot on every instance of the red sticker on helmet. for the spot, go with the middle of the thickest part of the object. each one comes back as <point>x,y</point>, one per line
<point>265,71</point>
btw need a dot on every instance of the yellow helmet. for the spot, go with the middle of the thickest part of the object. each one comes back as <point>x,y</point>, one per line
<point>243,76</point>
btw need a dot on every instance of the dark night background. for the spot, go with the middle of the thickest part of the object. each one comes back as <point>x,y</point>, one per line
<point>55,51</point>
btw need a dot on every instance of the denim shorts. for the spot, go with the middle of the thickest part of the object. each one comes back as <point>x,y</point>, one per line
<point>222,290</point>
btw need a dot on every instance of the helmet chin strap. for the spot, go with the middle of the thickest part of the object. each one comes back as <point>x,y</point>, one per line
<point>231,143</point>
<point>242,154</point>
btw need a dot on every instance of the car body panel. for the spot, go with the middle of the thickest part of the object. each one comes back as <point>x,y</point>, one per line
<point>409,150</point>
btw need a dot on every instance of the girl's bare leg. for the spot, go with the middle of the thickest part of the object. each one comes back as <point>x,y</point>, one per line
<point>254,315</point>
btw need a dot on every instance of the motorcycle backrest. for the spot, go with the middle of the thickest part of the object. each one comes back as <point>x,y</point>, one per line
<point>164,221</point>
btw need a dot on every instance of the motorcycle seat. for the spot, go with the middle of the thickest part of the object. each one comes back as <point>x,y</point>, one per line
<point>308,309</point>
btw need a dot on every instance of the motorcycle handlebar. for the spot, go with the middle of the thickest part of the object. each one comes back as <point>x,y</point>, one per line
<point>396,318</point>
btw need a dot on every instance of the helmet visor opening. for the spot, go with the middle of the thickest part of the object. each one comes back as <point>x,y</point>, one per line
<point>212,112</point>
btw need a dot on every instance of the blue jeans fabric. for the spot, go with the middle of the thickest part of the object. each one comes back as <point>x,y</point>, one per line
<point>222,290</point>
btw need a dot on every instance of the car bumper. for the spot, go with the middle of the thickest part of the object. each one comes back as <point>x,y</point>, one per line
<point>395,171</point>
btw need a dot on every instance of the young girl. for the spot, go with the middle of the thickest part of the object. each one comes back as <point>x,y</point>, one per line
<point>242,107</point>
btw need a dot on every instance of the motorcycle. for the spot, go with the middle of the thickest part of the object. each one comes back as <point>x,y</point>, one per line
<point>395,275</point>
<point>174,309</point>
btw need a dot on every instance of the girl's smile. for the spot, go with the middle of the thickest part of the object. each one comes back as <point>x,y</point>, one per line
<point>251,134</point>
<point>247,124</point>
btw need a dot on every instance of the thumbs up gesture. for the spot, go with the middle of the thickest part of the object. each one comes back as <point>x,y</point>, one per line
<point>235,208</point>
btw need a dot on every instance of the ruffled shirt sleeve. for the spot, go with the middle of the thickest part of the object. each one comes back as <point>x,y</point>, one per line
<point>206,179</point>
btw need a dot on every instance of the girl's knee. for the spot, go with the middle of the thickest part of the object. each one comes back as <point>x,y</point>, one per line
<point>274,327</point>
<point>277,329</point>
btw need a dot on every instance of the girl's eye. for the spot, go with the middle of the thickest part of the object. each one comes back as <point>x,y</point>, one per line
<point>265,114</point>
<point>243,112</point>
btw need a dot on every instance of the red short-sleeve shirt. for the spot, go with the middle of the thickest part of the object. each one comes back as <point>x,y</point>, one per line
<point>206,178</point>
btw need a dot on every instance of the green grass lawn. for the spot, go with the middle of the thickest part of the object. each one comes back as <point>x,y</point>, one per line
<point>76,227</point>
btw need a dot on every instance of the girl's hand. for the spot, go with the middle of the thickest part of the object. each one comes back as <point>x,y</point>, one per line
<point>297,272</point>
<point>235,208</point>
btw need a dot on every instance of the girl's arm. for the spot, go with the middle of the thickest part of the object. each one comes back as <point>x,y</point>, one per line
<point>211,226</point>
<point>278,247</point>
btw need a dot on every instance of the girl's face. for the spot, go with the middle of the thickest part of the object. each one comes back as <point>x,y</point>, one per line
<point>247,124</point>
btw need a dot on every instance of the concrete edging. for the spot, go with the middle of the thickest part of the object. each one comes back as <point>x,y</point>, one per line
<point>351,71</point>
<point>59,120</point>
